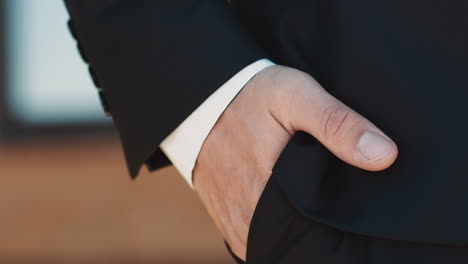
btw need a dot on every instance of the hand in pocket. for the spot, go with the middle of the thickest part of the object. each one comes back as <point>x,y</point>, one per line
<point>237,157</point>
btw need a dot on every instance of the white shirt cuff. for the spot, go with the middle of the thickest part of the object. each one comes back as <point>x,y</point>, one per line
<point>184,143</point>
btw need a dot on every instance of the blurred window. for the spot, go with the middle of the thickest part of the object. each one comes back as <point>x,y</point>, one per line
<point>47,81</point>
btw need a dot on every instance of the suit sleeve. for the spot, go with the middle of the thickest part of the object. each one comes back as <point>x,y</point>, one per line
<point>156,61</point>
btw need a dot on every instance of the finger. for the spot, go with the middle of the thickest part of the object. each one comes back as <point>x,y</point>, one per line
<point>347,134</point>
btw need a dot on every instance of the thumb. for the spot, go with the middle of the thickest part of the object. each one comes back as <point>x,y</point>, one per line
<point>347,134</point>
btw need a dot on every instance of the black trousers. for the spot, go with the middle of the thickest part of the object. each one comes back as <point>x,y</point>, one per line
<point>281,234</point>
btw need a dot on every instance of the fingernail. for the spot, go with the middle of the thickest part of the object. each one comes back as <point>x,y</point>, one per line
<point>374,146</point>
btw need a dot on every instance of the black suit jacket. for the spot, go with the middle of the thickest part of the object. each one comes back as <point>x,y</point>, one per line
<point>403,64</point>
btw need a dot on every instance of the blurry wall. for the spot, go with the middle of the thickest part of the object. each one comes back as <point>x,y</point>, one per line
<point>68,198</point>
<point>73,202</point>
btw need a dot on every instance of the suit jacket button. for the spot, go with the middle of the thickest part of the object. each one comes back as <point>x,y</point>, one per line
<point>82,53</point>
<point>72,29</point>
<point>94,77</point>
<point>105,104</point>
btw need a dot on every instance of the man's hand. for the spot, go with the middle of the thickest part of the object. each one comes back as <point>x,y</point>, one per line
<point>237,157</point>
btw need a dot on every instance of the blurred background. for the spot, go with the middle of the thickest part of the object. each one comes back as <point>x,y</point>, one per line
<point>65,194</point>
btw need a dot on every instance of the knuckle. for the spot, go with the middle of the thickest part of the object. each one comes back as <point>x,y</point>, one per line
<point>336,120</point>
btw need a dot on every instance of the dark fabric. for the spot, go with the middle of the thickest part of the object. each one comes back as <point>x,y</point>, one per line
<point>157,61</point>
<point>402,64</point>
<point>281,234</point>
<point>233,255</point>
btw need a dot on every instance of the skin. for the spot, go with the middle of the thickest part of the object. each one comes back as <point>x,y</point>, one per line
<point>237,157</point>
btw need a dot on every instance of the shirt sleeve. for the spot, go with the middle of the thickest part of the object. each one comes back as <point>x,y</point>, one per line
<point>184,143</point>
